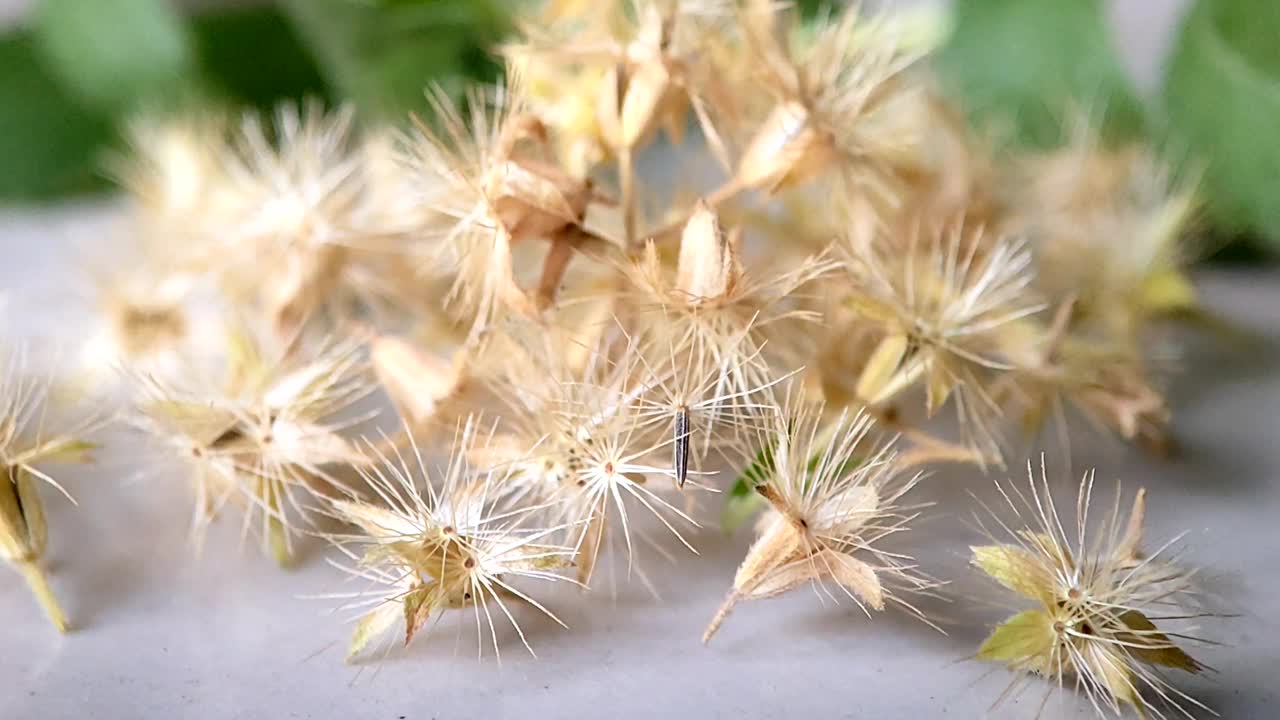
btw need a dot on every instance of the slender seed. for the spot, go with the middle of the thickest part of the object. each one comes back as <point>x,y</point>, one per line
<point>682,445</point>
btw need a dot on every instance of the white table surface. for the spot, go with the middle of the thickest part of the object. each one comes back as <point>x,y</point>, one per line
<point>160,633</point>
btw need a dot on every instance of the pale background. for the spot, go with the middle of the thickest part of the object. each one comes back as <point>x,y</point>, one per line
<point>160,633</point>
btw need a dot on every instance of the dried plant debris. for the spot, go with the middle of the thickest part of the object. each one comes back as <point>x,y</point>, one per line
<point>840,286</point>
<point>428,545</point>
<point>265,435</point>
<point>838,98</point>
<point>833,498</point>
<point>488,174</point>
<point>1108,617</point>
<point>582,439</point>
<point>29,440</point>
<point>947,303</point>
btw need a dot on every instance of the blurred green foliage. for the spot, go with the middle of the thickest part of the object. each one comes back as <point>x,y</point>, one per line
<point>112,55</point>
<point>46,139</point>
<point>1222,94</point>
<point>381,53</point>
<point>256,58</point>
<point>80,68</point>
<point>69,78</point>
<point>1022,67</point>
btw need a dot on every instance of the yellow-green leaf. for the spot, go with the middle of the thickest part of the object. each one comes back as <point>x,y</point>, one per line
<point>64,450</point>
<point>1114,673</point>
<point>1167,292</point>
<point>880,369</point>
<point>939,389</point>
<point>419,605</point>
<point>1024,636</point>
<point>1160,649</point>
<point>32,512</point>
<point>14,538</point>
<point>1013,567</point>
<point>1048,546</point>
<point>371,626</point>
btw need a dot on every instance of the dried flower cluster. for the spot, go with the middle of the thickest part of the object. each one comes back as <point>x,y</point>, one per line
<point>1097,597</point>
<point>589,344</point>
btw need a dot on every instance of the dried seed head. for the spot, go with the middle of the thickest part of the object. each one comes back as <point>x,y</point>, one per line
<point>450,543</point>
<point>1108,386</point>
<point>149,315</point>
<point>300,214</point>
<point>491,177</point>
<point>687,404</point>
<point>838,97</point>
<point>642,55</point>
<point>832,499</point>
<point>175,177</point>
<point>947,300</point>
<point>418,383</point>
<point>1075,202</point>
<point>261,435</point>
<point>715,314</point>
<point>579,440</point>
<point>1096,597</point>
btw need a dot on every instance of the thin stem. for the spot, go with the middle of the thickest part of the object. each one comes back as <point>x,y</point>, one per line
<point>277,535</point>
<point>39,584</point>
<point>626,177</point>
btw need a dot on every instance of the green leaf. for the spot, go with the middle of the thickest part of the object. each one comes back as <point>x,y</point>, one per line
<point>52,138</point>
<point>1029,634</point>
<point>47,140</point>
<point>1013,567</point>
<point>743,501</point>
<point>1025,65</point>
<point>278,68</point>
<point>739,505</point>
<point>1222,94</point>
<point>384,54</point>
<point>114,54</point>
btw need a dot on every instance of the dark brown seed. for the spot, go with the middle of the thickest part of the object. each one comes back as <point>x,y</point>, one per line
<point>682,446</point>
